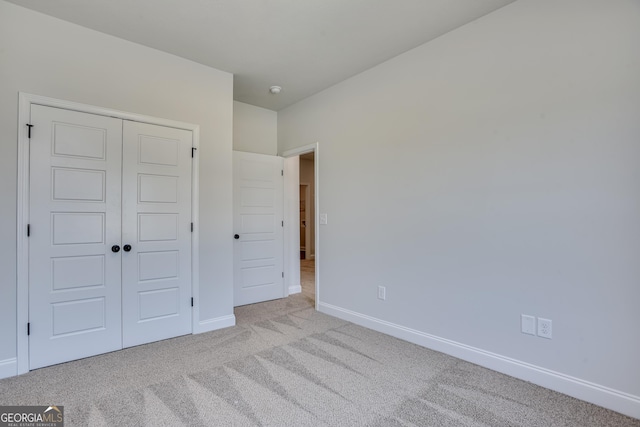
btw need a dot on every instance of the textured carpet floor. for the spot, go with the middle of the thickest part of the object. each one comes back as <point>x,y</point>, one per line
<point>285,364</point>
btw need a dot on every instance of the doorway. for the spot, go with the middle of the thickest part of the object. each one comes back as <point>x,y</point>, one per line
<point>302,265</point>
<point>307,224</point>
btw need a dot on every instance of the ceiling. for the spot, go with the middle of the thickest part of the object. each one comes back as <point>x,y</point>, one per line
<point>304,46</point>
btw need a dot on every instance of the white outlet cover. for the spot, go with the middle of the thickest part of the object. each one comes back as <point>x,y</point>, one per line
<point>323,219</point>
<point>528,324</point>
<point>545,328</point>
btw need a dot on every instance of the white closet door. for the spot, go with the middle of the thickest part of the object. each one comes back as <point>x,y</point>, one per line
<point>74,276</point>
<point>156,223</point>
<point>257,219</point>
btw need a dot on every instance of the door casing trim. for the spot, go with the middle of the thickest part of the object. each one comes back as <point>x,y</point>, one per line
<point>25,101</point>
<point>311,148</point>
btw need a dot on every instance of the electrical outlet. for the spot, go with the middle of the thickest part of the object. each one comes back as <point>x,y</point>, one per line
<point>382,293</point>
<point>528,324</point>
<point>323,219</point>
<point>544,328</point>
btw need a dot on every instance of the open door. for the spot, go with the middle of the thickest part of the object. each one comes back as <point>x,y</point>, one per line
<point>258,228</point>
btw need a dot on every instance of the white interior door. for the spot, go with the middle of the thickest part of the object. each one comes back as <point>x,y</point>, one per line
<point>156,233</point>
<point>110,234</point>
<point>74,276</point>
<point>258,228</point>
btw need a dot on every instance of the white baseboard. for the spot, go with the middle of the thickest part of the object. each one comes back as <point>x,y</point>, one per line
<point>606,397</point>
<point>296,289</point>
<point>215,324</point>
<point>8,368</point>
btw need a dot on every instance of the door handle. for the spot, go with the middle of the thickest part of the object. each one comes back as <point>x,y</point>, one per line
<point>115,248</point>
<point>126,248</point>
<point>236,236</point>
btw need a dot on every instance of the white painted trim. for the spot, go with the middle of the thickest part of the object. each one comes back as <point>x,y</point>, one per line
<point>215,324</point>
<point>101,111</point>
<point>295,289</point>
<point>316,187</point>
<point>300,150</point>
<point>195,235</point>
<point>315,148</point>
<point>22,254</point>
<point>8,368</point>
<point>615,400</point>
<point>24,117</point>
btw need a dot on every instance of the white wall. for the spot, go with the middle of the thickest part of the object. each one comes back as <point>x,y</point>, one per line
<point>497,168</point>
<point>255,129</point>
<point>46,56</point>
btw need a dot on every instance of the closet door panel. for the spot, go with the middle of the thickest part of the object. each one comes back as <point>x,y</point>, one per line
<point>75,205</point>
<point>157,225</point>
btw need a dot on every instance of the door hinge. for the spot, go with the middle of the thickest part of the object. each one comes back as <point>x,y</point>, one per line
<point>282,223</point>
<point>281,172</point>
<point>191,301</point>
<point>28,328</point>
<point>29,126</point>
<point>28,230</point>
<point>192,227</point>
<point>193,150</point>
<point>283,274</point>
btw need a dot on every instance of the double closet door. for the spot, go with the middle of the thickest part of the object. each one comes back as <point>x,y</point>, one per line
<point>110,234</point>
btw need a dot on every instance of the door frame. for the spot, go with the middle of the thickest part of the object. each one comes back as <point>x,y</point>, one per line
<point>292,183</point>
<point>22,218</point>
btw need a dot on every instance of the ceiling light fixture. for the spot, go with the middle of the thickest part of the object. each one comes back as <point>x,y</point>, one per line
<point>275,90</point>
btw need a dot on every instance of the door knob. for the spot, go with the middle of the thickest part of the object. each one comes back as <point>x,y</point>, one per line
<point>115,248</point>
<point>126,248</point>
<point>236,236</point>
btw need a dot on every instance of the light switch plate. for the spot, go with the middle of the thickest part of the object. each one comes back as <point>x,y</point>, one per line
<point>528,324</point>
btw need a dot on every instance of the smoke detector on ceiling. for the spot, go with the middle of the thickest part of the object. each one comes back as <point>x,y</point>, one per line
<point>274,90</point>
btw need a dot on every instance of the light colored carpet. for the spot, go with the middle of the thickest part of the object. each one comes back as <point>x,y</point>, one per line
<point>285,364</point>
<point>308,278</point>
